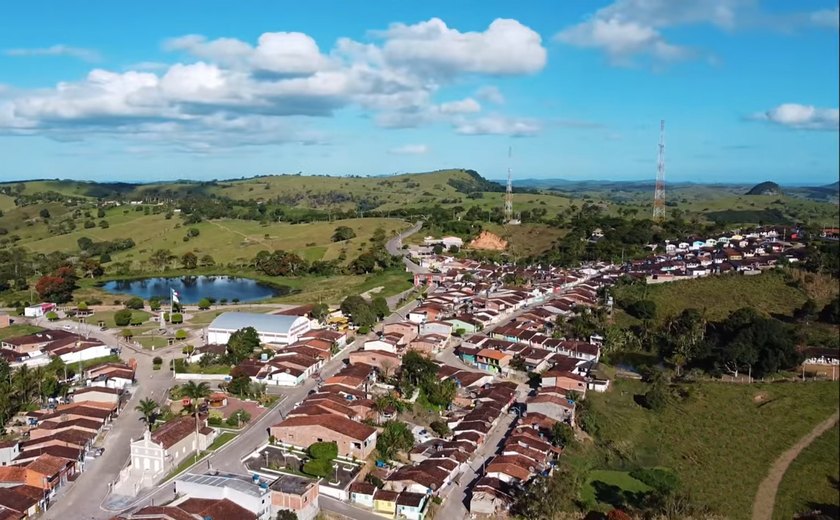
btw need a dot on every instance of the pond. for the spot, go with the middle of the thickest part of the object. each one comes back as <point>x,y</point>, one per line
<point>192,289</point>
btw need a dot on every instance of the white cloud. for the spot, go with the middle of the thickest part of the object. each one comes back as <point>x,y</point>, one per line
<point>826,18</point>
<point>498,125</point>
<point>506,48</point>
<point>225,91</point>
<point>56,50</point>
<point>627,29</point>
<point>806,117</point>
<point>463,106</point>
<point>490,94</point>
<point>410,149</point>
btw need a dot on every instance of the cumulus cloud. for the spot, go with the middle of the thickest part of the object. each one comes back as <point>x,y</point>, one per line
<point>490,94</point>
<point>805,117</point>
<point>463,106</point>
<point>506,48</point>
<point>627,29</point>
<point>226,85</point>
<point>56,50</point>
<point>498,125</point>
<point>410,149</point>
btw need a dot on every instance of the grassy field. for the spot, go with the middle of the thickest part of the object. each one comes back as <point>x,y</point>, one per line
<point>811,482</point>
<point>719,440</point>
<point>108,317</point>
<point>227,241</point>
<point>610,489</point>
<point>18,330</point>
<point>221,440</point>
<point>719,295</point>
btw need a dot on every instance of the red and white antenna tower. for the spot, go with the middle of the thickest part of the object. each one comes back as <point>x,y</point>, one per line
<point>509,192</point>
<point>659,190</point>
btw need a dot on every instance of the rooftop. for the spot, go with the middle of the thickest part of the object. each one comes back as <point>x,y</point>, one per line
<point>239,483</point>
<point>261,322</point>
<point>292,484</point>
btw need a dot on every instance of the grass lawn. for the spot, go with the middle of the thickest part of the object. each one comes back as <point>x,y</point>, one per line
<point>195,368</point>
<point>612,488</point>
<point>108,318</point>
<point>719,295</point>
<point>811,481</point>
<point>720,440</point>
<point>221,440</point>
<point>188,462</point>
<point>152,341</point>
<point>18,330</point>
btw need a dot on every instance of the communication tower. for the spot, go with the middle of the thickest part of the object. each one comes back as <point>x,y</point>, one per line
<point>509,193</point>
<point>659,190</point>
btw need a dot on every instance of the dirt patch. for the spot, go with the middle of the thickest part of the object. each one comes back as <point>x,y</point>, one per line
<point>765,497</point>
<point>760,397</point>
<point>489,241</point>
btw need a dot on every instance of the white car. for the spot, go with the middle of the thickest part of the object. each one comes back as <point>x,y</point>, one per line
<point>67,327</point>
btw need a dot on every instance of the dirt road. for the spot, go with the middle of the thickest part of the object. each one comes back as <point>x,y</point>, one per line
<point>765,498</point>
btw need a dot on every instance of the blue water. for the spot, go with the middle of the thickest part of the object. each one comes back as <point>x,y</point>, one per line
<point>193,288</point>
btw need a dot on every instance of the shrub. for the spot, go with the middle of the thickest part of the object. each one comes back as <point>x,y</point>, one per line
<point>134,303</point>
<point>157,360</point>
<point>440,428</point>
<point>204,304</point>
<point>661,480</point>
<point>177,317</point>
<point>180,334</point>
<point>122,317</point>
<point>323,450</point>
<point>318,467</point>
<point>51,316</point>
<point>238,417</point>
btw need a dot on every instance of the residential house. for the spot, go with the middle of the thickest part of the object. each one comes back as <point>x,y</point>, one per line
<point>354,439</point>
<point>248,493</point>
<point>296,494</point>
<point>493,361</point>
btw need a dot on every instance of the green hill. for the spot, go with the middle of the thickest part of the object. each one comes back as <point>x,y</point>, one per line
<point>765,188</point>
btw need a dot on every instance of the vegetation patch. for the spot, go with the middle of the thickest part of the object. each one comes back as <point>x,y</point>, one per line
<point>716,437</point>
<point>811,481</point>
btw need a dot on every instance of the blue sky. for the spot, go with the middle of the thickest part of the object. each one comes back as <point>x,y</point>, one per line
<point>202,90</point>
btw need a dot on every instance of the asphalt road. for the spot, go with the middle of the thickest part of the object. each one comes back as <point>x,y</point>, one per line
<point>81,498</point>
<point>394,246</point>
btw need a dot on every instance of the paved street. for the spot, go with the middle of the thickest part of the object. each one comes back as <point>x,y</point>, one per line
<point>81,499</point>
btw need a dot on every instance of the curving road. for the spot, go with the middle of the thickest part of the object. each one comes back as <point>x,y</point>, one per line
<point>394,246</point>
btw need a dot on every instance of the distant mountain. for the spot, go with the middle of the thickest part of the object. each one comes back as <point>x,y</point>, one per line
<point>765,188</point>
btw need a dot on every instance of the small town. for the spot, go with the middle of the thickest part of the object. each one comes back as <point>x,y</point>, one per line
<point>449,402</point>
<point>420,260</point>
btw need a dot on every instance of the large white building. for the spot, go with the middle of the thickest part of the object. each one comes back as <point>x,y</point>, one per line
<point>271,328</point>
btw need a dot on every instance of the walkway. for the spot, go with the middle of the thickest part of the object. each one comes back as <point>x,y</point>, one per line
<point>765,498</point>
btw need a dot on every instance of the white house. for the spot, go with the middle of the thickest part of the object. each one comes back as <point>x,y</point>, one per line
<point>271,328</point>
<point>36,311</point>
<point>382,344</point>
<point>253,495</point>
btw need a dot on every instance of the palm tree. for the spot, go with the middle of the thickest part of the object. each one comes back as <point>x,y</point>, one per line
<point>195,391</point>
<point>148,408</point>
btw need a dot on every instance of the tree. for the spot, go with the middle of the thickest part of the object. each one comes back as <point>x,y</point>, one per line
<point>127,334</point>
<point>161,258</point>
<point>562,434</point>
<point>207,261</point>
<point>417,369</point>
<point>195,391</point>
<point>180,334</point>
<point>544,498</point>
<point>681,338</point>
<point>343,233</point>
<point>242,344</point>
<point>642,309</point>
<point>657,397</point>
<point>286,514</point>
<point>380,307</point>
<point>193,232</point>
<point>359,311</point>
<point>189,260</point>
<point>440,394</point>
<point>320,311</point>
<point>440,428</point>
<point>395,437</point>
<point>203,304</point>
<point>240,383</point>
<point>45,213</point>
<point>56,288</point>
<point>135,303</point>
<point>51,316</point>
<point>148,409</point>
<point>176,318</point>
<point>831,312</point>
<point>122,317</point>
